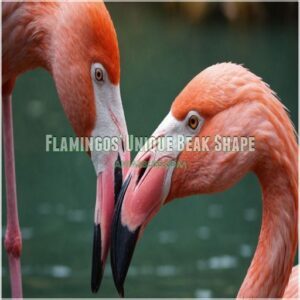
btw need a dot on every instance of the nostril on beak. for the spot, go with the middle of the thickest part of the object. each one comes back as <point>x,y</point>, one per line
<point>143,167</point>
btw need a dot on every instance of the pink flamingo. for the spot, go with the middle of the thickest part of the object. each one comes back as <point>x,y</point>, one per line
<point>77,44</point>
<point>226,100</point>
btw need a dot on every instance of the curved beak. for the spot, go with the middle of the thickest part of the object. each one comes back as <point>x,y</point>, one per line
<point>144,191</point>
<point>109,183</point>
<point>141,197</point>
<point>111,168</point>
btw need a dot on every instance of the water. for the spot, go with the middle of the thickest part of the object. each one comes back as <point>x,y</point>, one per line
<point>199,247</point>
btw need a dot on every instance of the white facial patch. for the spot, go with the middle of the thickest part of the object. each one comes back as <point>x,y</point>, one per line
<point>180,133</point>
<point>110,119</point>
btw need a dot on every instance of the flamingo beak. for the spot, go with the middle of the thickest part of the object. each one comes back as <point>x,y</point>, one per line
<point>144,191</point>
<point>140,198</point>
<point>109,183</point>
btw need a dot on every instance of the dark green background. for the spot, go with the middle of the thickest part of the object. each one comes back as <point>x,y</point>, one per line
<point>201,246</point>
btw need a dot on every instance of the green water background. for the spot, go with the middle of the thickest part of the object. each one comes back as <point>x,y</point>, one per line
<point>201,246</point>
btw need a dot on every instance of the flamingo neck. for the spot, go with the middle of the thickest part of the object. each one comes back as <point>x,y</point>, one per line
<point>27,38</point>
<point>271,266</point>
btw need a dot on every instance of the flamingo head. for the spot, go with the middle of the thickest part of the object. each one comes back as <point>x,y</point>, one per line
<point>223,100</point>
<point>85,65</point>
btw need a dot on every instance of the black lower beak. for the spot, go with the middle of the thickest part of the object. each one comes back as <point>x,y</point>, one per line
<point>97,270</point>
<point>122,244</point>
<point>97,265</point>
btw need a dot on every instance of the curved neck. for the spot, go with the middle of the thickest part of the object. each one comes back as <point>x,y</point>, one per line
<point>273,260</point>
<point>26,38</point>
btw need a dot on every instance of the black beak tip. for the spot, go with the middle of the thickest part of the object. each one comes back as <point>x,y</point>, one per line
<point>96,282</point>
<point>97,270</point>
<point>95,287</point>
<point>121,291</point>
<point>122,243</point>
<point>122,249</point>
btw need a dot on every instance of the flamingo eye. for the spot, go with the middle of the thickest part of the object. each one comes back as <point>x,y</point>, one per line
<point>193,121</point>
<point>99,74</point>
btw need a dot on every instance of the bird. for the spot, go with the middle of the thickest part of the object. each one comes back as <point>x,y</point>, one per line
<point>224,100</point>
<point>77,44</point>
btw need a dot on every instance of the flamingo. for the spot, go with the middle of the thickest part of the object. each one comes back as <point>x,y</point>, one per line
<point>227,100</point>
<point>77,44</point>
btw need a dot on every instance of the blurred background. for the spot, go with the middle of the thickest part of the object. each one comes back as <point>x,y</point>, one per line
<point>199,247</point>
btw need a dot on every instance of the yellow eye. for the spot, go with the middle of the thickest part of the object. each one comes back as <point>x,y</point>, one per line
<point>99,74</point>
<point>193,121</point>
